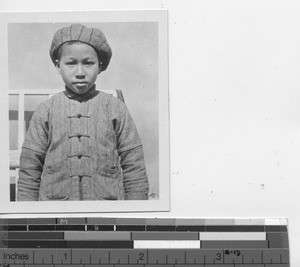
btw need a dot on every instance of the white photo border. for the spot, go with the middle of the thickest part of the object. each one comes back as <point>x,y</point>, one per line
<point>160,204</point>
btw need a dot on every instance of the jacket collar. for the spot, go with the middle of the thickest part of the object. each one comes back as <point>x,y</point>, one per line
<point>88,95</point>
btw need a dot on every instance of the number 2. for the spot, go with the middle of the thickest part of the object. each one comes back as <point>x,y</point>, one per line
<point>141,256</point>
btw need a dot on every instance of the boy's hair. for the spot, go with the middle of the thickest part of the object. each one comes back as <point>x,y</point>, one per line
<point>79,33</point>
<point>60,49</point>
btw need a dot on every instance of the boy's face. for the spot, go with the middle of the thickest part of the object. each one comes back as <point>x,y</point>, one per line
<point>79,67</point>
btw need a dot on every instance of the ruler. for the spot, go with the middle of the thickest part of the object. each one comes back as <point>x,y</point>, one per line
<point>83,242</point>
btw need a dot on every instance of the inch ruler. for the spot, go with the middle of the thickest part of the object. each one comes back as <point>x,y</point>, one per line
<point>83,242</point>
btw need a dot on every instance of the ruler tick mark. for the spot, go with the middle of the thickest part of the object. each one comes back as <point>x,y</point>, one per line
<point>147,255</point>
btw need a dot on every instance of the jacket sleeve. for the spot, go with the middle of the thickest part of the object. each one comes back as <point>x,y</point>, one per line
<point>130,150</point>
<point>33,155</point>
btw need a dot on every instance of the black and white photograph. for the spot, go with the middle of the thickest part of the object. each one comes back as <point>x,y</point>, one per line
<point>177,119</point>
<point>88,109</point>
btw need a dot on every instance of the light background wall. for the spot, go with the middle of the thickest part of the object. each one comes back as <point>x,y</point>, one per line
<point>234,106</point>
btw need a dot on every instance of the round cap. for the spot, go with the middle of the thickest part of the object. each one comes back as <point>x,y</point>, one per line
<point>91,36</point>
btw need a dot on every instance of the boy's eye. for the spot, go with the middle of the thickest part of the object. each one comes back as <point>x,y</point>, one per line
<point>89,63</point>
<point>70,63</point>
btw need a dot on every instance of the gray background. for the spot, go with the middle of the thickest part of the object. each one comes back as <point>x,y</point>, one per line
<point>133,69</point>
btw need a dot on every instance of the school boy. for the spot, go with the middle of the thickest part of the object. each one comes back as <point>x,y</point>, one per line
<point>81,144</point>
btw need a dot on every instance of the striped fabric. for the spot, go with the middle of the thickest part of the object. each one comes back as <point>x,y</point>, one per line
<point>82,147</point>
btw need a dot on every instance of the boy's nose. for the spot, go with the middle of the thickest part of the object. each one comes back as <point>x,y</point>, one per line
<point>80,71</point>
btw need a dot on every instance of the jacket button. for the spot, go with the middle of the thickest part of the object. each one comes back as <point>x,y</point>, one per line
<point>79,156</point>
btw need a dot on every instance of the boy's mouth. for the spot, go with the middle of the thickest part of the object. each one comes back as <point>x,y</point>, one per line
<point>80,83</point>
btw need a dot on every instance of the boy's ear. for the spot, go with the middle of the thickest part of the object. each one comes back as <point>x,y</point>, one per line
<point>57,66</point>
<point>100,68</point>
